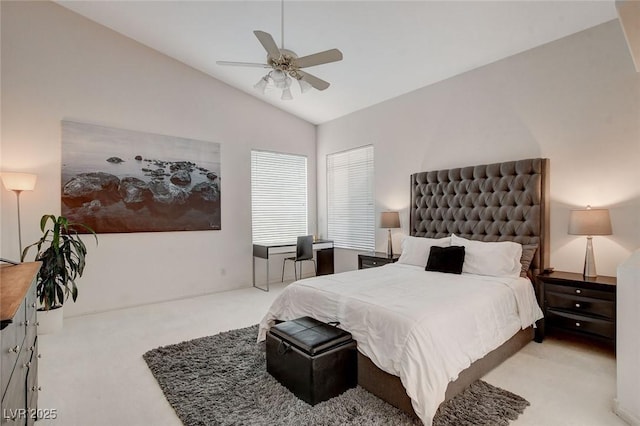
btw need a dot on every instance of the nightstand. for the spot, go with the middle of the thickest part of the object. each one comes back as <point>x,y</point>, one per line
<point>373,260</point>
<point>579,305</point>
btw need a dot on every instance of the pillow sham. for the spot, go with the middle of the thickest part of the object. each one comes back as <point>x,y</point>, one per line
<point>528,252</point>
<point>446,259</point>
<point>415,250</point>
<point>496,259</point>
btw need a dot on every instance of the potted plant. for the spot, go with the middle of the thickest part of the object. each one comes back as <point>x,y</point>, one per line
<point>62,254</point>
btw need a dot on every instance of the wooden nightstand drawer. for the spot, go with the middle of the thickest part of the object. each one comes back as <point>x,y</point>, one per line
<point>605,309</point>
<point>582,324</point>
<point>580,291</point>
<point>371,263</point>
<point>374,260</point>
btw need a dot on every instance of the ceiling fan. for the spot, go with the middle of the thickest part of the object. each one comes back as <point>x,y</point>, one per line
<point>285,65</point>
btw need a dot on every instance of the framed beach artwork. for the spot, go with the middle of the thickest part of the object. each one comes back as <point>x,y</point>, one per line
<point>116,180</point>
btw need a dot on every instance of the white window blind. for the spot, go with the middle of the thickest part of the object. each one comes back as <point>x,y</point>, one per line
<point>350,216</point>
<point>278,197</point>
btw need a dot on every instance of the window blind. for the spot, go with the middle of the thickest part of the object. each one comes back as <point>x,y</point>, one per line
<point>350,215</point>
<point>278,197</point>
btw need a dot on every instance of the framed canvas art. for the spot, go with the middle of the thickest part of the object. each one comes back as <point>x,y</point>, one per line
<point>116,180</point>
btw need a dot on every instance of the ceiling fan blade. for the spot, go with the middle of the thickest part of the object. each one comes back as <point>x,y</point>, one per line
<point>325,57</point>
<point>316,82</point>
<point>267,42</point>
<point>243,64</point>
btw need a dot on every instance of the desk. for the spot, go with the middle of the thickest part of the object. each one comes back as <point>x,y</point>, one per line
<point>323,249</point>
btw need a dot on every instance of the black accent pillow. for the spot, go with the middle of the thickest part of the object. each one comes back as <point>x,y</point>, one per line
<point>446,259</point>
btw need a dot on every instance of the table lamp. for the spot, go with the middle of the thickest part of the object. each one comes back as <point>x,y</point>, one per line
<point>390,220</point>
<point>589,222</point>
<point>18,182</point>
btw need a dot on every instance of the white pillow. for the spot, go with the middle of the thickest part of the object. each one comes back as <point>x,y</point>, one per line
<point>415,250</point>
<point>497,259</point>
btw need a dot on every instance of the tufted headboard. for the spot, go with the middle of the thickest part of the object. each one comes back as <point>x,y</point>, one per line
<point>493,202</point>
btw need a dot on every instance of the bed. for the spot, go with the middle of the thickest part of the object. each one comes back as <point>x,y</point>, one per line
<point>423,336</point>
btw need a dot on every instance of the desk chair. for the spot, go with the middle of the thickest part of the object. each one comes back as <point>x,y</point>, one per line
<point>304,251</point>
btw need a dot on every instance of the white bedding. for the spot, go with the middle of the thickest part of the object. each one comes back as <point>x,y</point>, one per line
<point>425,327</point>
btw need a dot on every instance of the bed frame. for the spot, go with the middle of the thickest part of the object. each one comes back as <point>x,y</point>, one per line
<point>495,202</point>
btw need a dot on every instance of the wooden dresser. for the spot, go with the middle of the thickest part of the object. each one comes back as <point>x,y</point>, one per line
<point>19,344</point>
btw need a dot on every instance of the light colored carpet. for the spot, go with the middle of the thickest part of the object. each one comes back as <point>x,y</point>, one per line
<point>222,380</point>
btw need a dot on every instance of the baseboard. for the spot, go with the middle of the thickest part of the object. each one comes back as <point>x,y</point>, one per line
<point>624,414</point>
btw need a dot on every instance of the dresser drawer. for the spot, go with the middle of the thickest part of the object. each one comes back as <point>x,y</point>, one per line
<point>14,402</point>
<point>579,291</point>
<point>605,309</point>
<point>32,383</point>
<point>572,322</point>
<point>11,342</point>
<point>15,396</point>
<point>31,304</point>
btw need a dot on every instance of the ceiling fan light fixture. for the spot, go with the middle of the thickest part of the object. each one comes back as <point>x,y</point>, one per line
<point>304,85</point>
<point>261,85</point>
<point>277,75</point>
<point>286,64</point>
<point>286,95</point>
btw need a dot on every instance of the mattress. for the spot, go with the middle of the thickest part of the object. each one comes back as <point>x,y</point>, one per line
<point>424,327</point>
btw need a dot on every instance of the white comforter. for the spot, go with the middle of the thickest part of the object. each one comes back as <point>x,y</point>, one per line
<point>425,327</point>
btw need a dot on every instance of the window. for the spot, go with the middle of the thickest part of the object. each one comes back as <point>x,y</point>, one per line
<point>351,213</point>
<point>278,197</point>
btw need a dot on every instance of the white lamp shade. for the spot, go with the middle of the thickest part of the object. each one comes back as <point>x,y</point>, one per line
<point>390,220</point>
<point>590,222</point>
<point>19,181</point>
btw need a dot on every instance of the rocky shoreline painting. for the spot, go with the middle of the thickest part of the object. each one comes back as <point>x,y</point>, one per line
<point>117,180</point>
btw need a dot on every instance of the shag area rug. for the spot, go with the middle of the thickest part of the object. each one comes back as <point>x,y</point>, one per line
<point>223,380</point>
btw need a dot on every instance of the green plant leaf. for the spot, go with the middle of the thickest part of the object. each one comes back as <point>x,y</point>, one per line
<point>63,256</point>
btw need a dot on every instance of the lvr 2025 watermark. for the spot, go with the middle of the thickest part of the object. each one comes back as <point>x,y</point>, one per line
<point>29,413</point>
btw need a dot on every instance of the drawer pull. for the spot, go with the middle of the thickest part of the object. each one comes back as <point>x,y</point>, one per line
<point>577,305</point>
<point>374,263</point>
<point>26,323</point>
<point>578,324</point>
<point>33,305</point>
<point>36,388</point>
<point>578,291</point>
<point>26,365</point>
<point>39,355</point>
<point>15,349</point>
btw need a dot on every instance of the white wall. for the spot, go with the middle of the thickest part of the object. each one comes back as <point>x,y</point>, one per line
<point>627,402</point>
<point>57,65</point>
<point>575,101</point>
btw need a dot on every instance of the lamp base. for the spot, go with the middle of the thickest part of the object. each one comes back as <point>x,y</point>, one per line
<point>389,245</point>
<point>589,270</point>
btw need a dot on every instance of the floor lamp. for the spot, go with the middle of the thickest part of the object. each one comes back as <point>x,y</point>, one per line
<point>18,182</point>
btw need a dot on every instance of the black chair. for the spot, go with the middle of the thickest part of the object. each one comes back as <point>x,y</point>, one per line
<point>304,251</point>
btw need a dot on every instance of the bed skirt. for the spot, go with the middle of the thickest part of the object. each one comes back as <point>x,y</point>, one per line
<point>390,389</point>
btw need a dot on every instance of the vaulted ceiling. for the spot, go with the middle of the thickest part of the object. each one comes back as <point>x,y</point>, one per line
<point>390,47</point>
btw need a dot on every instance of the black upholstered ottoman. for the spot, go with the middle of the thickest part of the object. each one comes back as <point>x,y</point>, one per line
<point>314,360</point>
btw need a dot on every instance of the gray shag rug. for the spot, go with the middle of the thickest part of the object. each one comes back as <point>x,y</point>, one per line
<point>222,380</point>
